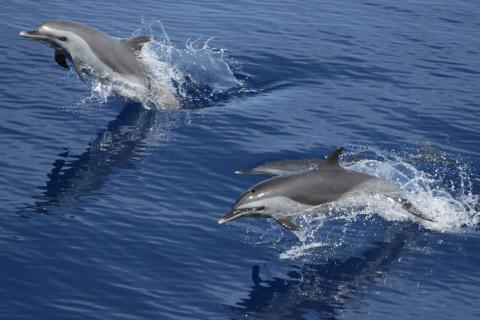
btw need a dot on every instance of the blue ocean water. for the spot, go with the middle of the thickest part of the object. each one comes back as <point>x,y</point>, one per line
<point>109,209</point>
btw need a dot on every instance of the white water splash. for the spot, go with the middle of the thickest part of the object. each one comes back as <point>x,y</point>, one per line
<point>302,250</point>
<point>445,196</point>
<point>191,75</point>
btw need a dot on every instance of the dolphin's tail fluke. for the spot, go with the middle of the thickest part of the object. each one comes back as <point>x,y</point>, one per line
<point>407,205</point>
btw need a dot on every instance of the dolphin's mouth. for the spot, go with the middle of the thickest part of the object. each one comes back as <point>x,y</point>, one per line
<point>238,213</point>
<point>247,171</point>
<point>36,35</point>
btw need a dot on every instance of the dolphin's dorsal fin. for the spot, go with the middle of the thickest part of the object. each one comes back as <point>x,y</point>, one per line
<point>333,159</point>
<point>136,44</point>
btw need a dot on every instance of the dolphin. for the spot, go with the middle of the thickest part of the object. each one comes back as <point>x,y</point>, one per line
<point>282,197</point>
<point>428,153</point>
<point>108,59</point>
<point>283,167</point>
<point>289,166</point>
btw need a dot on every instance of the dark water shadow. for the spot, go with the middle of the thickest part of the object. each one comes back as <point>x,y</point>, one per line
<point>267,66</point>
<point>120,145</point>
<point>199,96</point>
<point>323,290</point>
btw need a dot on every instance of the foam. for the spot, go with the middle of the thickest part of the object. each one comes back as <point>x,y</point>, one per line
<point>191,75</point>
<point>445,194</point>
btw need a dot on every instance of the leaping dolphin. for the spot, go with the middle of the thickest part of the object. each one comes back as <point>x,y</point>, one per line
<point>290,166</point>
<point>108,59</point>
<point>284,196</point>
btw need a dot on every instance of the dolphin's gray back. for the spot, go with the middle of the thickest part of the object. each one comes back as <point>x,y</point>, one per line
<point>294,165</point>
<point>111,51</point>
<point>325,185</point>
<point>282,167</point>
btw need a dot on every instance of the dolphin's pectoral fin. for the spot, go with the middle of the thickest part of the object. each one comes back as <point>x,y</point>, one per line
<point>61,59</point>
<point>136,43</point>
<point>287,223</point>
<point>78,68</point>
<point>410,208</point>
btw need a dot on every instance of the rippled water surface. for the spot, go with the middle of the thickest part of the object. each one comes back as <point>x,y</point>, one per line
<point>109,207</point>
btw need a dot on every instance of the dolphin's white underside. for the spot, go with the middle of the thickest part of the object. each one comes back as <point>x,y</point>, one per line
<point>275,206</point>
<point>356,198</point>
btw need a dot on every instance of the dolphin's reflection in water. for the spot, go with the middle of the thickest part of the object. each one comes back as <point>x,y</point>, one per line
<point>322,290</point>
<point>118,146</point>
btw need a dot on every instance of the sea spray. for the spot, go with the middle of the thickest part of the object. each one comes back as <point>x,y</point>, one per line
<point>444,193</point>
<point>197,74</point>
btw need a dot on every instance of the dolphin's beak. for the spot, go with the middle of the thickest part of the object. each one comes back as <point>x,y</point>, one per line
<point>237,213</point>
<point>229,216</point>
<point>248,171</point>
<point>34,35</point>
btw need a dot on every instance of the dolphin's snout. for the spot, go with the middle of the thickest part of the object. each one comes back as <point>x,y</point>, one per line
<point>30,34</point>
<point>25,34</point>
<point>236,213</point>
<point>34,34</point>
<point>247,171</point>
<point>229,216</point>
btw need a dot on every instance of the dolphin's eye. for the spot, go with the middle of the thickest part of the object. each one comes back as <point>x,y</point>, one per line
<point>253,190</point>
<point>60,38</point>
